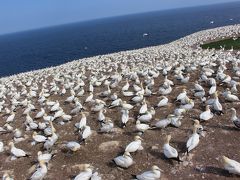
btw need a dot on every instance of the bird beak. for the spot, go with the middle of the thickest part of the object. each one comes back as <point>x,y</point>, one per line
<point>160,170</point>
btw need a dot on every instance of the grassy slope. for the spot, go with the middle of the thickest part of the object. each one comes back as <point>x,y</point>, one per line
<point>227,43</point>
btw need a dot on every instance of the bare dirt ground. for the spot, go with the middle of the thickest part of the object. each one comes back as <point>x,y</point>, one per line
<point>222,138</point>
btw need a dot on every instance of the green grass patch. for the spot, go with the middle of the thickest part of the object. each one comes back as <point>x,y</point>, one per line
<point>226,43</point>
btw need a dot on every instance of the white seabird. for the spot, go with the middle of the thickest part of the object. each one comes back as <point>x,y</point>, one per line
<point>169,151</point>
<point>153,174</point>
<point>134,145</point>
<point>231,165</point>
<point>124,161</point>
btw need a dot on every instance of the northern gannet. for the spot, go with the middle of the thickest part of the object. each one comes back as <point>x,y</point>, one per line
<point>115,103</point>
<point>207,114</point>
<point>96,176</point>
<point>126,86</point>
<point>124,117</point>
<point>146,118</point>
<point>128,93</point>
<point>66,117</point>
<point>188,106</point>
<point>86,174</point>
<point>175,120</point>
<point>231,165</point>
<point>198,87</point>
<point>6,176</point>
<point>230,97</point>
<point>40,114</point>
<point>141,127</point>
<point>124,161</point>
<point>126,106</point>
<point>165,89</point>
<point>101,116</point>
<point>199,127</point>
<point>11,117</point>
<point>169,151</point>
<point>143,108</point>
<point>89,98</point>
<point>16,152</point>
<point>163,122</point>
<point>153,174</point>
<point>212,89</point>
<point>1,146</point>
<point>234,118</point>
<point>163,102</point>
<point>41,172</point>
<point>55,106</point>
<point>193,140</point>
<point>138,98</point>
<point>46,157</point>
<point>85,133</point>
<point>58,113</point>
<point>107,126</point>
<point>179,111</point>
<point>38,138</point>
<point>217,106</point>
<point>134,145</point>
<point>73,146</point>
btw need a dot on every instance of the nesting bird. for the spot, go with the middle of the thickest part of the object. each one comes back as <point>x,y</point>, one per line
<point>154,173</point>
<point>134,145</point>
<point>124,161</point>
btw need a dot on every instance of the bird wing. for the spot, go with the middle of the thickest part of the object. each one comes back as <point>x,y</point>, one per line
<point>237,123</point>
<point>132,147</point>
<point>83,176</point>
<point>148,175</point>
<point>192,142</point>
<point>19,152</point>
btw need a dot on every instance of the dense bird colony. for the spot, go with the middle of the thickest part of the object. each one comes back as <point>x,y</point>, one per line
<point>168,112</point>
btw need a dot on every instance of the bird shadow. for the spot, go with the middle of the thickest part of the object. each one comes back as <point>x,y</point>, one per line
<point>216,171</point>
<point>111,164</point>
<point>160,155</point>
<point>228,128</point>
<point>181,146</point>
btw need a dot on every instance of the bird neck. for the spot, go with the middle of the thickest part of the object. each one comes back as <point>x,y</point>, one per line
<point>234,116</point>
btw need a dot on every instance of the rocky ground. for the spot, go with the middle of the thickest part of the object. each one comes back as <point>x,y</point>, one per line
<point>222,138</point>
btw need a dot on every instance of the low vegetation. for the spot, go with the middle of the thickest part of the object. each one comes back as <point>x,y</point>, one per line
<point>232,43</point>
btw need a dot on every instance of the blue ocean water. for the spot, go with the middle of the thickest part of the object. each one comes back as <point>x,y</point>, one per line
<point>29,50</point>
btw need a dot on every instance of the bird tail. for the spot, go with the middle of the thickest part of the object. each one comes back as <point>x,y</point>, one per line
<point>82,141</point>
<point>134,176</point>
<point>153,127</point>
<point>177,159</point>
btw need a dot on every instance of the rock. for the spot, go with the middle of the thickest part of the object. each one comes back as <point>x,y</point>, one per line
<point>118,130</point>
<point>108,176</point>
<point>185,163</point>
<point>61,123</point>
<point>109,145</point>
<point>154,147</point>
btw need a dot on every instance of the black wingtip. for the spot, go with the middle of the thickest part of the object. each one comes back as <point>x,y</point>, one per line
<point>82,141</point>
<point>177,159</point>
<point>134,176</point>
